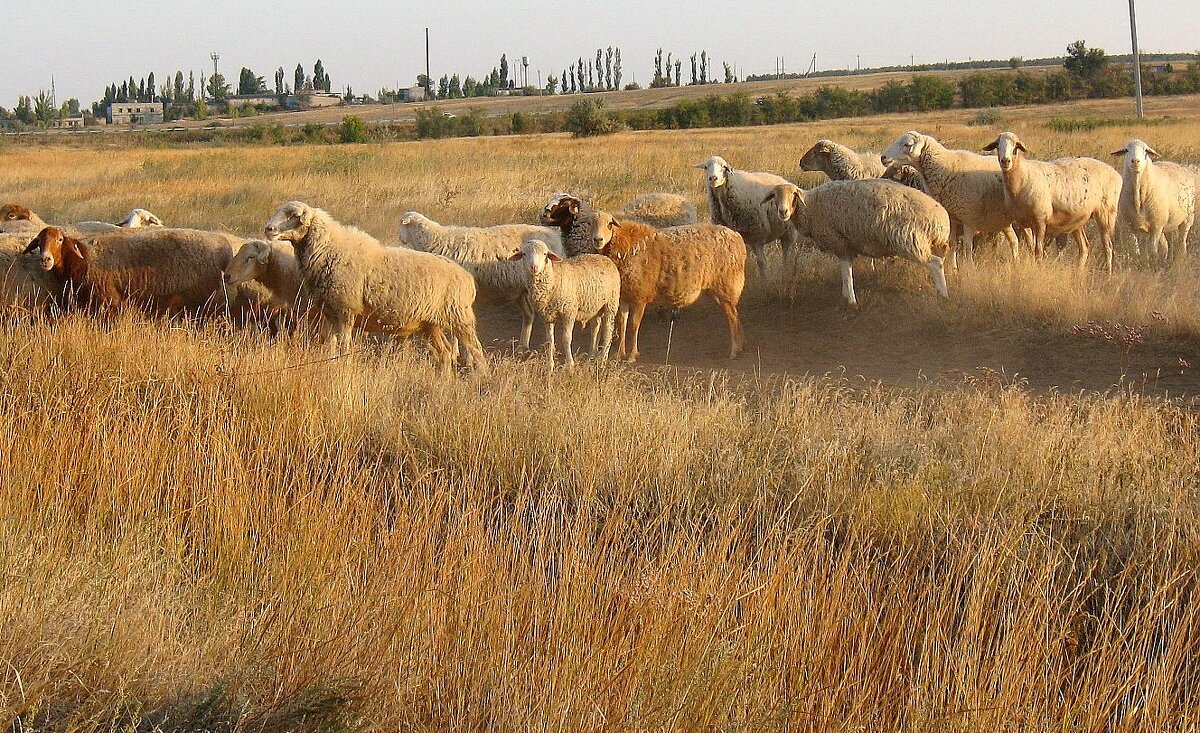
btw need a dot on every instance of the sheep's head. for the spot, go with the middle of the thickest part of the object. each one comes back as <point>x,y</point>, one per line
<point>1007,147</point>
<point>291,222</point>
<point>249,263</point>
<point>410,223</point>
<point>54,247</point>
<point>13,212</point>
<point>717,169</point>
<point>1137,154</point>
<point>907,175</point>
<point>907,149</point>
<point>139,218</point>
<point>788,200</point>
<point>560,211</point>
<point>537,255</point>
<point>817,157</point>
<point>603,231</point>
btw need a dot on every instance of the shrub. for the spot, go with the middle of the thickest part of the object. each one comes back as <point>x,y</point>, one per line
<point>354,130</point>
<point>587,118</point>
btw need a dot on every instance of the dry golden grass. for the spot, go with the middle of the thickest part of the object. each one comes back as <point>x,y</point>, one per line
<point>204,530</point>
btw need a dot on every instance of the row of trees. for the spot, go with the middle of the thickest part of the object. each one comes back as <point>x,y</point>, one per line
<point>602,76</point>
<point>670,74</point>
<point>451,86</point>
<point>40,110</point>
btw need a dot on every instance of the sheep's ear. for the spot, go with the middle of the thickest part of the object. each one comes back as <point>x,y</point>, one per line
<point>616,224</point>
<point>77,247</point>
<point>797,200</point>
<point>263,255</point>
<point>1118,152</point>
<point>519,254</point>
<point>406,220</point>
<point>991,146</point>
<point>573,207</point>
<point>553,257</point>
<point>770,197</point>
<point>701,166</point>
<point>1022,148</point>
<point>1152,153</point>
<point>728,169</point>
<point>34,245</point>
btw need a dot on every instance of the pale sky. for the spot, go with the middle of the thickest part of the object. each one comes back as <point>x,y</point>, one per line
<point>86,45</point>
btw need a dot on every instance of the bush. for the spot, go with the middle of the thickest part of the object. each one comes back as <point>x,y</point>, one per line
<point>587,118</point>
<point>987,118</point>
<point>354,130</point>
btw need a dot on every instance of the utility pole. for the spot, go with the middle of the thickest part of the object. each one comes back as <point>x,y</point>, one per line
<point>215,57</point>
<point>428,80</point>
<point>1137,62</point>
<point>859,57</point>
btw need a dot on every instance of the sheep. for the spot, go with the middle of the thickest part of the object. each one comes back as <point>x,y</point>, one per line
<point>485,253</point>
<point>841,163</point>
<point>734,198</point>
<point>566,292</point>
<point>1156,197</point>
<point>658,210</point>
<point>23,283</point>
<point>22,219</point>
<point>17,219</point>
<point>273,264</point>
<point>871,218</point>
<point>163,270</point>
<point>351,277</point>
<point>139,219</point>
<point>673,267</point>
<point>1059,196</point>
<point>968,185</point>
<point>907,175</point>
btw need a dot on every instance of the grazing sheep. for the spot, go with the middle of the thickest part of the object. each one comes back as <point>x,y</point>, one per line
<point>272,264</point>
<point>566,292</point>
<point>967,184</point>
<point>162,270</point>
<point>870,218</point>
<point>658,210</point>
<point>1059,196</point>
<point>351,277</point>
<point>735,200</point>
<point>673,267</point>
<point>1156,197</point>
<point>24,284</point>
<point>138,219</point>
<point>841,163</point>
<point>485,253</point>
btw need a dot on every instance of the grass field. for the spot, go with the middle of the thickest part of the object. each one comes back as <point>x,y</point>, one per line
<point>978,515</point>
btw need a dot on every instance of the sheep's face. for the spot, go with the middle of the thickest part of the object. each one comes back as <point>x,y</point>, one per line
<point>817,156</point>
<point>560,211</point>
<point>139,218</point>
<point>1007,147</point>
<point>537,255</point>
<point>249,263</point>
<point>604,229</point>
<point>907,149</point>
<point>13,212</point>
<point>1137,155</point>
<point>49,245</point>
<point>409,224</point>
<point>290,223</point>
<point>786,199</point>
<point>717,169</point>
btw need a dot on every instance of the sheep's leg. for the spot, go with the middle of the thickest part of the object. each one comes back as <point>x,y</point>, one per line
<point>441,348</point>
<point>550,340</point>
<point>760,256</point>
<point>623,325</point>
<point>737,339</point>
<point>1157,246</point>
<point>639,310</point>
<point>938,271</point>
<point>469,339</point>
<point>1184,230</point>
<point>848,281</point>
<point>956,230</point>
<point>526,320</point>
<point>968,246</point>
<point>1013,244</point>
<point>568,334</point>
<point>606,332</point>
<point>596,325</point>
<point>337,332</point>
<point>1082,240</point>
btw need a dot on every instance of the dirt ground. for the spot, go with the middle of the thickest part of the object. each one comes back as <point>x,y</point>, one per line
<point>884,342</point>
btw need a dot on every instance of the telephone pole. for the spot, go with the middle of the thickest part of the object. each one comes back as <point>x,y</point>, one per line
<point>1137,62</point>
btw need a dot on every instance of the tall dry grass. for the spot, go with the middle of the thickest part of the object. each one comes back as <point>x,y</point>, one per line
<point>205,530</point>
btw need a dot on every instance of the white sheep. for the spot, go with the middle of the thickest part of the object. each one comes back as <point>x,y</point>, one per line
<point>351,277</point>
<point>1156,197</point>
<point>138,219</point>
<point>271,264</point>
<point>966,183</point>
<point>17,218</point>
<point>735,201</point>
<point>485,253</point>
<point>841,163</point>
<point>869,218</point>
<point>1059,196</point>
<point>566,292</point>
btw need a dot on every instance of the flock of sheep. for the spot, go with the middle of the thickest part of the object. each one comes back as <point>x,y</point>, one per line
<point>580,265</point>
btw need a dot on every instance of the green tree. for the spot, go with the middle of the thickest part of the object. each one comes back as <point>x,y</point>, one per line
<point>43,111</point>
<point>658,70</point>
<point>298,78</point>
<point>551,84</point>
<point>150,90</point>
<point>455,87</point>
<point>678,67</point>
<point>218,88</point>
<point>587,118</point>
<point>248,83</point>
<point>279,76</point>
<point>1084,62</point>
<point>608,68</point>
<point>425,83</point>
<point>617,68</point>
<point>443,87</point>
<point>318,80</point>
<point>704,67</point>
<point>728,73</point>
<point>353,130</point>
<point>695,77</point>
<point>24,110</point>
<point>178,90</point>
<point>201,109</point>
<point>503,71</point>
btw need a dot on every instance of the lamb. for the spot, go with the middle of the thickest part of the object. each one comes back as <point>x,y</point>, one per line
<point>967,184</point>
<point>1059,196</point>
<point>352,277</point>
<point>673,267</point>
<point>871,218</point>
<point>734,200</point>
<point>163,270</point>
<point>566,292</point>
<point>485,253</point>
<point>841,163</point>
<point>1156,197</point>
<point>658,210</point>
<point>138,219</point>
<point>272,264</point>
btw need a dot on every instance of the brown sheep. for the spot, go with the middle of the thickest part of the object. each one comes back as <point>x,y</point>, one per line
<point>162,270</point>
<point>673,267</point>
